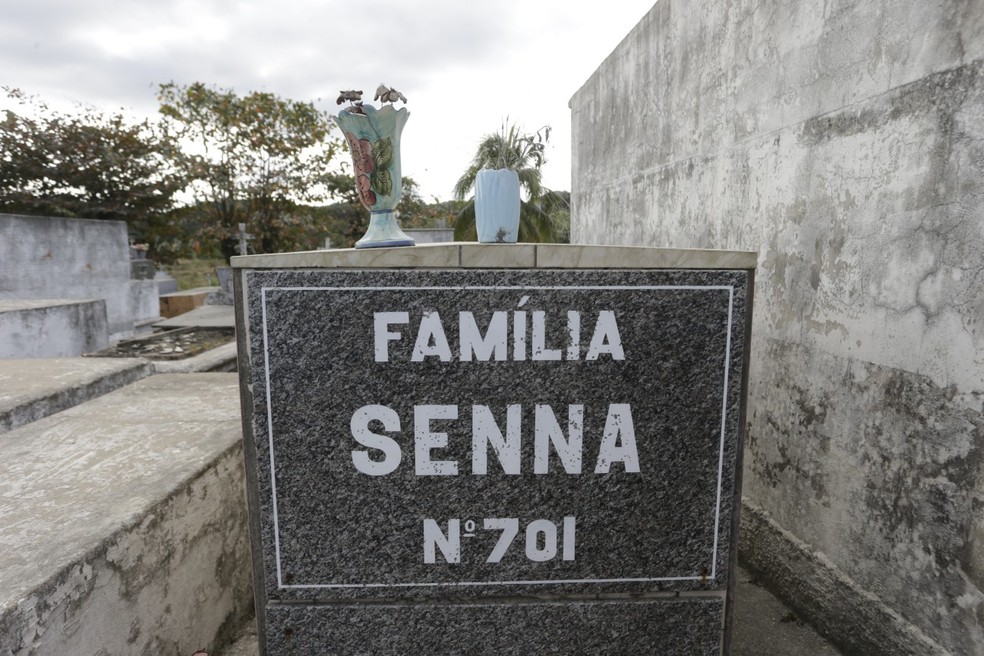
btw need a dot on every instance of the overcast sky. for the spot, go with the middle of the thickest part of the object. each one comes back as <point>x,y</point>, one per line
<point>463,65</point>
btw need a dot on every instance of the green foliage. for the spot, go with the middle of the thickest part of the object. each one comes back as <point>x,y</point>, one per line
<point>253,159</point>
<point>343,223</point>
<point>177,235</point>
<point>195,272</point>
<point>89,165</point>
<point>557,206</point>
<point>415,212</point>
<point>508,149</point>
<point>545,215</point>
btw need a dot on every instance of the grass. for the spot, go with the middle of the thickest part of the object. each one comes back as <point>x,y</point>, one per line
<point>195,272</point>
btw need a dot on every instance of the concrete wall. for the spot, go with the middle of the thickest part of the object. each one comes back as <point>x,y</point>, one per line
<point>46,257</point>
<point>845,142</point>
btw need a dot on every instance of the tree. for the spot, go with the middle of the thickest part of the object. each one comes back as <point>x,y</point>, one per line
<point>252,158</point>
<point>524,153</point>
<point>508,149</point>
<point>89,165</point>
<point>415,212</point>
<point>556,205</point>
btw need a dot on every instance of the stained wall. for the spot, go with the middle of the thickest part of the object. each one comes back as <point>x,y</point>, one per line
<point>844,141</point>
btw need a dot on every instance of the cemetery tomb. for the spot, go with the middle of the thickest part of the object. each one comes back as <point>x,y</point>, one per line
<point>494,449</point>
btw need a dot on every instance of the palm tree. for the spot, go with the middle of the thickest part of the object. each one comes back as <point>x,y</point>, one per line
<point>523,153</point>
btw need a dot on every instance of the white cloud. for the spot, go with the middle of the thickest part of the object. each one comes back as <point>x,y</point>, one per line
<point>465,66</point>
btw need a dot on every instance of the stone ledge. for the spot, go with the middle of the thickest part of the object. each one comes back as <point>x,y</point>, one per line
<point>33,389</point>
<point>124,525</point>
<point>456,255</point>
<point>52,328</point>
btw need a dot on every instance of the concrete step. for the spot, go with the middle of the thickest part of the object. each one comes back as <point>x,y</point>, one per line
<point>52,327</point>
<point>33,389</point>
<point>122,523</point>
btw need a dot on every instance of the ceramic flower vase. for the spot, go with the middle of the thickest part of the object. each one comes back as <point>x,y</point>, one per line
<point>374,140</point>
<point>497,206</point>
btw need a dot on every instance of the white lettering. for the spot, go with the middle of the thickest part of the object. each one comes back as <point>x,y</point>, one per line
<point>519,336</point>
<point>606,338</point>
<point>540,350</point>
<point>529,340</point>
<point>618,423</point>
<point>534,530</point>
<point>569,545</point>
<point>425,440</point>
<point>617,444</point>
<point>547,430</point>
<point>509,527</point>
<point>474,346</point>
<point>430,331</point>
<point>573,335</point>
<point>485,433</point>
<point>383,335</point>
<point>450,544</point>
<point>360,431</point>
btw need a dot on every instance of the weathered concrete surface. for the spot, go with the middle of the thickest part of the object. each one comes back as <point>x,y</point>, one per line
<point>875,468</point>
<point>145,305</point>
<point>221,358</point>
<point>32,389</point>
<point>123,523</point>
<point>764,626</point>
<point>819,590</point>
<point>52,328</point>
<point>46,257</point>
<point>845,142</point>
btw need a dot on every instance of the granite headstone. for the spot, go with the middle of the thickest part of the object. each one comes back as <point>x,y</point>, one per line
<point>493,460</point>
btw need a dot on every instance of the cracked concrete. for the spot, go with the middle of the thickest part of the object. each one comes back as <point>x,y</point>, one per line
<point>844,141</point>
<point>125,529</point>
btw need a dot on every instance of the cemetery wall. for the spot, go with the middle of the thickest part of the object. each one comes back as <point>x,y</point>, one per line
<point>59,258</point>
<point>845,142</point>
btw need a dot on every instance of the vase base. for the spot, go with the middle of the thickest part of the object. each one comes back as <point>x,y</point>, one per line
<point>384,231</point>
<point>386,243</point>
<point>505,240</point>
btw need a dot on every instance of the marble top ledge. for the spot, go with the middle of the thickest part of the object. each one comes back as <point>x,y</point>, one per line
<point>470,255</point>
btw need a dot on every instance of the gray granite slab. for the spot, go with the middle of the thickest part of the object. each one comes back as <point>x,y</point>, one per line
<point>659,627</point>
<point>330,530</point>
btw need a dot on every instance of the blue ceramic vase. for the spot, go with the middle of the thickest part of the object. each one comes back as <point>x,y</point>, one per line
<point>497,206</point>
<point>374,141</point>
